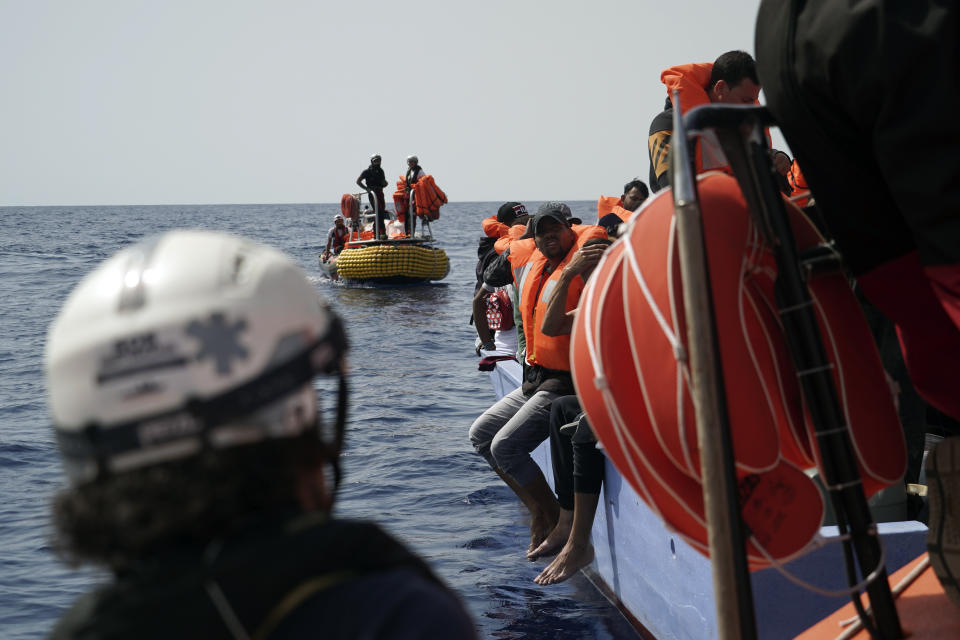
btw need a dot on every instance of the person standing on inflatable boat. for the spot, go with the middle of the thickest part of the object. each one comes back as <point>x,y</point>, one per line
<point>373,181</point>
<point>507,432</point>
<point>180,377</point>
<point>414,173</point>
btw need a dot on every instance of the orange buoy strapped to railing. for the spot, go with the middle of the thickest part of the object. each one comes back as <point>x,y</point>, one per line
<point>400,199</point>
<point>634,382</point>
<point>350,207</point>
<point>429,197</point>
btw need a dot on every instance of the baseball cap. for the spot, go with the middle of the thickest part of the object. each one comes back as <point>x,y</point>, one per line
<point>509,211</point>
<point>557,210</point>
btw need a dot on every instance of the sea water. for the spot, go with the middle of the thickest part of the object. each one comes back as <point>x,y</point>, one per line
<point>408,463</point>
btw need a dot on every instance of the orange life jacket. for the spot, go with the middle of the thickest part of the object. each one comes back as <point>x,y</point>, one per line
<point>623,214</point>
<point>493,228</point>
<point>610,204</point>
<point>356,244</point>
<point>350,207</point>
<point>633,381</point>
<point>506,240</point>
<point>690,81</point>
<point>400,201</point>
<point>429,197</point>
<point>535,286</point>
<point>605,205</point>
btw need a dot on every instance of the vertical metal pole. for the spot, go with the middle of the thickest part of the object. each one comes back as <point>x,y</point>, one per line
<point>731,578</point>
<point>832,432</point>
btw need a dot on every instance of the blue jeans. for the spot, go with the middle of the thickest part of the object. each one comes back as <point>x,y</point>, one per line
<point>507,432</point>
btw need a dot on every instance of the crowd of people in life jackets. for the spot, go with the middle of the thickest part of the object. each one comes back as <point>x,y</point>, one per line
<point>532,270</point>
<point>201,474</point>
<point>530,275</point>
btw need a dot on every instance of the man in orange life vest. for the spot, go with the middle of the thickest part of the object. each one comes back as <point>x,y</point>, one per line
<point>578,466</point>
<point>612,212</point>
<point>507,432</point>
<point>731,79</point>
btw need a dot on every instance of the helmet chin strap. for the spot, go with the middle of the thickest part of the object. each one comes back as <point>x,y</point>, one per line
<point>333,448</point>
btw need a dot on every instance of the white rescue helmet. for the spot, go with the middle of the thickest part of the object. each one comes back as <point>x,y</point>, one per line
<point>413,159</point>
<point>190,340</point>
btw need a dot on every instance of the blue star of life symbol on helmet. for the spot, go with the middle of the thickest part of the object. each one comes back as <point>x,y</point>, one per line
<point>219,340</point>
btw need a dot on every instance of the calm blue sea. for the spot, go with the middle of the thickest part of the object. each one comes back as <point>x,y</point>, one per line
<point>408,463</point>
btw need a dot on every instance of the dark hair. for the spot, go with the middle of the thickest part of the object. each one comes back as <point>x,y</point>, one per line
<point>733,67</point>
<point>639,184</point>
<point>125,517</point>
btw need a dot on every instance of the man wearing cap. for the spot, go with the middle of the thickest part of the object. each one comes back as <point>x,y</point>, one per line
<point>578,466</point>
<point>180,376</point>
<point>507,432</point>
<point>336,237</point>
<point>373,181</point>
<point>508,215</point>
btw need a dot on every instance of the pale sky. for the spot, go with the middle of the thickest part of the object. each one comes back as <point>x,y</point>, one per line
<point>231,101</point>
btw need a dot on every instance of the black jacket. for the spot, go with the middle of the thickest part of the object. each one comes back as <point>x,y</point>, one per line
<point>303,578</point>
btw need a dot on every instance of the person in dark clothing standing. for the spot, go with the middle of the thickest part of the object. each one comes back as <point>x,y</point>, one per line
<point>201,473</point>
<point>867,95</point>
<point>414,173</point>
<point>373,181</point>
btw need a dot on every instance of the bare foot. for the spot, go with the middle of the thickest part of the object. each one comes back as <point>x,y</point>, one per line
<point>571,559</point>
<point>540,528</point>
<point>555,539</point>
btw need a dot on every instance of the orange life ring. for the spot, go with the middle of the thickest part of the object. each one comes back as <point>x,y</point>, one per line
<point>350,206</point>
<point>400,201</point>
<point>634,383</point>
